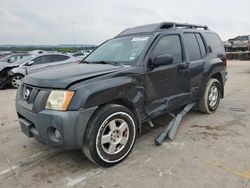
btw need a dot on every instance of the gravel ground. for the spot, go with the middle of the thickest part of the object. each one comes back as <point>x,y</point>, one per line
<point>208,151</point>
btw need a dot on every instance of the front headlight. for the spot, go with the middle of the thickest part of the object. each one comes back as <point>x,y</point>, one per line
<point>59,100</point>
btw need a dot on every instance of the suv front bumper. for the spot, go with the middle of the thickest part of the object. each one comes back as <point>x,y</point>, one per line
<point>42,125</point>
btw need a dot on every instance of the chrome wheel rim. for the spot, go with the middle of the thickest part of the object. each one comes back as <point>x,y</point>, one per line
<point>123,151</point>
<point>16,81</point>
<point>115,136</point>
<point>213,96</point>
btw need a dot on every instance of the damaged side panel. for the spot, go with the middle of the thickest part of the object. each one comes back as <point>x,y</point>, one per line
<point>127,89</point>
<point>166,88</point>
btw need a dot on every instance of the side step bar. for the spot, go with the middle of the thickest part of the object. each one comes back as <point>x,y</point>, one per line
<point>172,127</point>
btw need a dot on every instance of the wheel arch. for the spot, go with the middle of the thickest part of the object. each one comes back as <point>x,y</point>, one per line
<point>128,104</point>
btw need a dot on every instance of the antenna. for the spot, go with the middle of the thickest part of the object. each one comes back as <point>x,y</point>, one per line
<point>74,36</point>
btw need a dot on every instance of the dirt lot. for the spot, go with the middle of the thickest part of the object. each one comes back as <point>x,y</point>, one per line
<point>208,151</point>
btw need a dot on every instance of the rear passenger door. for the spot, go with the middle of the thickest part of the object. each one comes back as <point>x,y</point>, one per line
<point>57,59</point>
<point>196,53</point>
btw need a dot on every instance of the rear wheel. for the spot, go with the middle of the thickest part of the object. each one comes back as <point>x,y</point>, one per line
<point>211,98</point>
<point>15,80</point>
<point>110,135</point>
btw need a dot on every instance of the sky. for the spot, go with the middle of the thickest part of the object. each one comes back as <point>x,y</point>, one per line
<point>94,21</point>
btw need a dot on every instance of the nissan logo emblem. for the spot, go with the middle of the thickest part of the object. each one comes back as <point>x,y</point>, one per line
<point>26,94</point>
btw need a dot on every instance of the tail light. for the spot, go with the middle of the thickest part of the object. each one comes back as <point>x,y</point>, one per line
<point>223,57</point>
<point>225,60</point>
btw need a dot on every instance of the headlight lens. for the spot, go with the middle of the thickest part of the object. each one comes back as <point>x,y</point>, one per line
<point>59,100</point>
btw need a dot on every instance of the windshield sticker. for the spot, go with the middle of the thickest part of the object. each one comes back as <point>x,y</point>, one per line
<point>136,39</point>
<point>131,58</point>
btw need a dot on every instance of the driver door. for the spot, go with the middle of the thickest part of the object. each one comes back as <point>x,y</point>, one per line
<point>168,86</point>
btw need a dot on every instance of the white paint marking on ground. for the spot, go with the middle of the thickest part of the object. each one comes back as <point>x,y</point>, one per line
<point>8,170</point>
<point>82,178</point>
<point>169,145</point>
<point>36,155</point>
<point>149,159</point>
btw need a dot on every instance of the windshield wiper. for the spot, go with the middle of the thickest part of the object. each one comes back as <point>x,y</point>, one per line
<point>84,62</point>
<point>104,62</point>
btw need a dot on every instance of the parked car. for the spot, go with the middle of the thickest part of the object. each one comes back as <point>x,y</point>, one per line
<point>143,72</point>
<point>13,57</point>
<point>86,52</point>
<point>3,54</point>
<point>13,73</point>
<point>79,55</point>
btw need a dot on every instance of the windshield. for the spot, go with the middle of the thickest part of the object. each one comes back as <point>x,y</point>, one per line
<point>125,50</point>
<point>5,58</point>
<point>24,60</point>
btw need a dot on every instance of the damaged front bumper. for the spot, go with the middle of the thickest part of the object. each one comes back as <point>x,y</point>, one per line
<point>54,128</point>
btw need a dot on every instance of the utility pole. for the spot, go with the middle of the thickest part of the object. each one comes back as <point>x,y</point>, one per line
<point>74,36</point>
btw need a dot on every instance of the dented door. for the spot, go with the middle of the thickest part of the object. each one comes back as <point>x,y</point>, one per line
<point>168,87</point>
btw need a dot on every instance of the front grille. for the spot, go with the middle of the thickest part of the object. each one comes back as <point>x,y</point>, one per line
<point>29,94</point>
<point>36,100</point>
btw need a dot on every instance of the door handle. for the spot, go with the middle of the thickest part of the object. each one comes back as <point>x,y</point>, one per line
<point>182,66</point>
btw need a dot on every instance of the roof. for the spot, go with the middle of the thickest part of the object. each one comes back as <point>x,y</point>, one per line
<point>158,27</point>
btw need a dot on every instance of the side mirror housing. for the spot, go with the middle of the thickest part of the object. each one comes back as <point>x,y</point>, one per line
<point>163,60</point>
<point>30,63</point>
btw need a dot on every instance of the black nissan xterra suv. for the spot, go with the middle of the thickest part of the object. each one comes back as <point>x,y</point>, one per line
<point>100,104</point>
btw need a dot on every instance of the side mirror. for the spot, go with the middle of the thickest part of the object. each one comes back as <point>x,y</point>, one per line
<point>30,63</point>
<point>162,60</point>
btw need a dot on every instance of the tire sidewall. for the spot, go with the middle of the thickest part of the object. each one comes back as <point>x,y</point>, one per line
<point>96,126</point>
<point>11,79</point>
<point>217,84</point>
<point>210,84</point>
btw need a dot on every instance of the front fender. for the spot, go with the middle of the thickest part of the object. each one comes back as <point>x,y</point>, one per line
<point>18,70</point>
<point>101,92</point>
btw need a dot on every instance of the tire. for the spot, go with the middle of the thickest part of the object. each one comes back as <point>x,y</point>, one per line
<point>15,80</point>
<point>110,135</point>
<point>211,98</point>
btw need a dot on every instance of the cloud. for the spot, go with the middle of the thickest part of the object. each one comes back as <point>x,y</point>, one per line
<point>60,21</point>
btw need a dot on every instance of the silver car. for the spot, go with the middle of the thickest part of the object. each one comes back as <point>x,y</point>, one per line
<point>36,63</point>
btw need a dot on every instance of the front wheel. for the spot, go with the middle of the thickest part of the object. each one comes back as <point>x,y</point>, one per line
<point>15,80</point>
<point>110,135</point>
<point>211,98</point>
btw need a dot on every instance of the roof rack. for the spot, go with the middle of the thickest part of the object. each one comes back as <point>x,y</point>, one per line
<point>160,26</point>
<point>168,25</point>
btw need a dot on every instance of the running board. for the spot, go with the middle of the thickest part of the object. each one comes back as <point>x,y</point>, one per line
<point>172,127</point>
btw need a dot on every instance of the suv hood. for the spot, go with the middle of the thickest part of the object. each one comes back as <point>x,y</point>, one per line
<point>5,65</point>
<point>62,77</point>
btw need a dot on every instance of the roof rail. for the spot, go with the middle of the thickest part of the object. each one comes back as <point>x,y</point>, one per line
<point>168,25</point>
<point>160,26</point>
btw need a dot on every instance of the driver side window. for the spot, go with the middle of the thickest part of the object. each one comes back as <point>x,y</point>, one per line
<point>169,45</point>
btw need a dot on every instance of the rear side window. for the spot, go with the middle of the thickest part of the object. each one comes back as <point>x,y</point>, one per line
<point>78,54</point>
<point>169,45</point>
<point>41,60</point>
<point>215,43</point>
<point>192,46</point>
<point>55,58</point>
<point>201,44</point>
